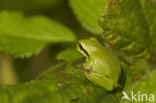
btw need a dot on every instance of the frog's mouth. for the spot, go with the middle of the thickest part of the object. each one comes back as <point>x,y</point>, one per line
<point>84,51</point>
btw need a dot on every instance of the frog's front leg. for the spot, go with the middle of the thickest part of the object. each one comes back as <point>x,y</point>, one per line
<point>88,65</point>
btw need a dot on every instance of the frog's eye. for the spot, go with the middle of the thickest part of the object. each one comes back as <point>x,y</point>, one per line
<point>107,77</point>
<point>84,51</point>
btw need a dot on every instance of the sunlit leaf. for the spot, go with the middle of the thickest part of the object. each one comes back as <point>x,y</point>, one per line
<point>24,36</point>
<point>88,12</point>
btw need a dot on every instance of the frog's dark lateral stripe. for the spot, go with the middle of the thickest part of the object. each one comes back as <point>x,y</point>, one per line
<point>81,47</point>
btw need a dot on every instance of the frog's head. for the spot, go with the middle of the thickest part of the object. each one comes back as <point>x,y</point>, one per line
<point>87,46</point>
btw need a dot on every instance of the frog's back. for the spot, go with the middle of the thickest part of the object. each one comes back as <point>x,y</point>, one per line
<point>108,61</point>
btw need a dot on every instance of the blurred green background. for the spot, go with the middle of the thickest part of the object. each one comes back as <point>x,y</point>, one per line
<point>15,70</point>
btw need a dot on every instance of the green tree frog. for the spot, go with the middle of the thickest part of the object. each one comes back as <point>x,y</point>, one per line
<point>102,66</point>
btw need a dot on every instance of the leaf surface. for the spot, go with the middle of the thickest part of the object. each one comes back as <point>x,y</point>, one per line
<point>24,36</point>
<point>88,12</point>
<point>64,84</point>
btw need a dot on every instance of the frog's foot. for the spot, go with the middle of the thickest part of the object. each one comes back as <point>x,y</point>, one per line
<point>86,73</point>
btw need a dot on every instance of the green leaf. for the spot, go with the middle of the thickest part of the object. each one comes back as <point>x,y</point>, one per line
<point>149,7</point>
<point>125,26</point>
<point>87,12</point>
<point>144,86</point>
<point>69,55</point>
<point>134,72</point>
<point>64,84</point>
<point>24,36</point>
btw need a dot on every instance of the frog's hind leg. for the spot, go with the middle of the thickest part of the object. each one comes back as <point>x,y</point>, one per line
<point>101,80</point>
